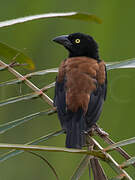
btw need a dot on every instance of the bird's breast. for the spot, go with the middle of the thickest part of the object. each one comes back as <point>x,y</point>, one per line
<point>82,75</point>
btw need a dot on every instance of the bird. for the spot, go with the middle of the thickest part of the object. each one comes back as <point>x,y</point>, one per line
<point>80,88</point>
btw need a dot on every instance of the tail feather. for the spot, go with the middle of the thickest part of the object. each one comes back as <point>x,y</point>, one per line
<point>75,137</point>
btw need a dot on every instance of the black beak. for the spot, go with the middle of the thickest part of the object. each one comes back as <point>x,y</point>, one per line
<point>63,40</point>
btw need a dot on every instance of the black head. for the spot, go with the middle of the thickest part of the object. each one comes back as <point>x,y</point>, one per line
<point>79,44</point>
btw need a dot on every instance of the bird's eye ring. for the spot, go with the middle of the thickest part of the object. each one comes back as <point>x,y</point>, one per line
<point>77,41</point>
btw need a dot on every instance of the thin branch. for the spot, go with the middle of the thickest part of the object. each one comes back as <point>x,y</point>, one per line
<point>98,172</point>
<point>12,153</point>
<point>90,146</point>
<point>28,83</point>
<point>97,169</point>
<point>118,149</point>
<point>112,163</point>
<point>13,64</point>
<point>81,168</point>
<point>25,147</point>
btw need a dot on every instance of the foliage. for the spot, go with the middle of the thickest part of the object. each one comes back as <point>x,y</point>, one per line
<point>95,151</point>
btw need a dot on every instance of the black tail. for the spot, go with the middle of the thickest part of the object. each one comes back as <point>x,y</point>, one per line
<point>75,131</point>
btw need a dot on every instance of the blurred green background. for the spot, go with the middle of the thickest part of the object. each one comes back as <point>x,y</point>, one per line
<point>115,36</point>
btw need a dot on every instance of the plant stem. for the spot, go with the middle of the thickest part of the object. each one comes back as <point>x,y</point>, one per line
<point>28,83</point>
<point>112,163</point>
<point>26,147</point>
<point>119,149</point>
<point>109,141</point>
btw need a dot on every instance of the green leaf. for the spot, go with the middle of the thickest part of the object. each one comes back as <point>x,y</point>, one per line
<point>80,169</point>
<point>69,15</point>
<point>34,142</point>
<point>129,63</point>
<point>84,17</point>
<point>128,162</point>
<point>19,98</point>
<point>11,54</point>
<point>25,97</point>
<point>7,126</point>
<point>14,81</point>
<point>43,72</point>
<point>119,144</point>
<point>38,73</point>
<point>48,86</point>
<point>23,147</point>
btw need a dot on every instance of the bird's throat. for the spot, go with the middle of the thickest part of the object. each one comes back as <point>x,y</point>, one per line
<point>86,54</point>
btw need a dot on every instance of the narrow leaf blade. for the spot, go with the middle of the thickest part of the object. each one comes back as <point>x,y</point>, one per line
<point>14,81</point>
<point>18,99</point>
<point>119,144</point>
<point>25,97</point>
<point>34,142</point>
<point>70,15</point>
<point>130,63</point>
<point>43,72</point>
<point>128,162</point>
<point>85,17</point>
<point>80,169</point>
<point>7,126</point>
<point>12,54</point>
<point>25,147</point>
<point>48,86</point>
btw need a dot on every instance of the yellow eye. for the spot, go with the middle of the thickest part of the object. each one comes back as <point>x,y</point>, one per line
<point>77,41</point>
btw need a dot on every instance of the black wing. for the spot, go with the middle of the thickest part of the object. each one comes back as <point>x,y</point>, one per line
<point>60,101</point>
<point>97,99</point>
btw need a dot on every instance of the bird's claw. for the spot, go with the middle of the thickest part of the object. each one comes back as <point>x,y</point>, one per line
<point>100,131</point>
<point>95,129</point>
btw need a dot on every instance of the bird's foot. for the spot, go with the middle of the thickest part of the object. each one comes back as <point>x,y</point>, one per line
<point>100,131</point>
<point>90,131</point>
<point>95,129</point>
